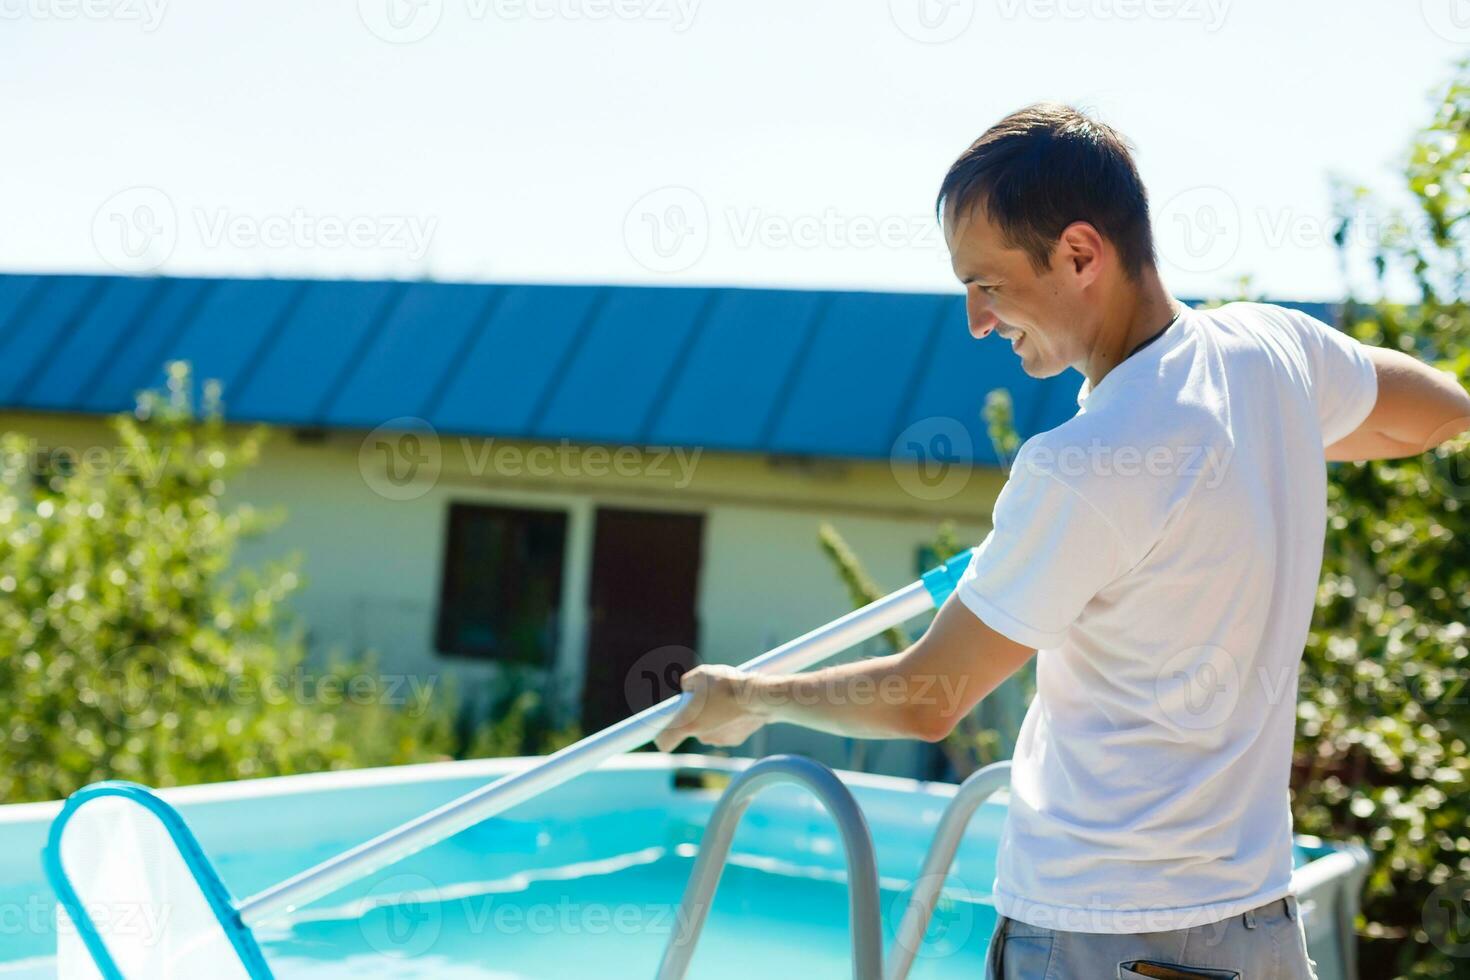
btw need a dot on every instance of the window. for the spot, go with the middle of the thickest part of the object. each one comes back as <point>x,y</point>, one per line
<point>500,595</point>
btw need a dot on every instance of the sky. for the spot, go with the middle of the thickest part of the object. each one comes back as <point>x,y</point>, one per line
<point>793,143</point>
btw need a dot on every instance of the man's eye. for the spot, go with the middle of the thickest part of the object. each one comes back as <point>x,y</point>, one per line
<point>987,290</point>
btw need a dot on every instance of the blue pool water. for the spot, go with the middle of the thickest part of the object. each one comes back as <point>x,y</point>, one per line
<point>616,924</point>
<point>584,881</point>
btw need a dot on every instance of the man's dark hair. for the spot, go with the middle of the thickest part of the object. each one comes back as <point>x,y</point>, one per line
<point>1042,168</point>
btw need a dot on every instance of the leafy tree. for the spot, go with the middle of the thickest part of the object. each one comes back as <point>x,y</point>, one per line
<point>132,648</point>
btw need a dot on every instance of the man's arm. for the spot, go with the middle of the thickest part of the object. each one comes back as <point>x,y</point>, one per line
<point>919,693</point>
<point>1418,408</point>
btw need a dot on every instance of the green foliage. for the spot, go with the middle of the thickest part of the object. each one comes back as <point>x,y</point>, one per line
<point>133,649</point>
<point>999,415</point>
<point>521,720</point>
<point>861,589</point>
<point>1385,705</point>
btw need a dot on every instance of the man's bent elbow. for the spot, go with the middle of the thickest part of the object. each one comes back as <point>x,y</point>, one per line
<point>928,723</point>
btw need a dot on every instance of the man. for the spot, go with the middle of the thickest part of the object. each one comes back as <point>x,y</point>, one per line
<point>1161,549</point>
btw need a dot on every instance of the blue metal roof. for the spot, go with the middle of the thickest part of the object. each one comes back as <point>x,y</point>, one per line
<point>748,370</point>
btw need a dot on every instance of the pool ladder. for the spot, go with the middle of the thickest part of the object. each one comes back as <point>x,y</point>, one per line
<point>864,921</point>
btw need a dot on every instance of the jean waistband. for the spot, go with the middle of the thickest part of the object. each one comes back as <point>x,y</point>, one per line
<point>1287,905</point>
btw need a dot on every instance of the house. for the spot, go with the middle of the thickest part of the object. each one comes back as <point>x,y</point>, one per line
<point>599,483</point>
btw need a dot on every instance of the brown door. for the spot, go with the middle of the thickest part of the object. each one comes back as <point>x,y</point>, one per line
<point>643,626</point>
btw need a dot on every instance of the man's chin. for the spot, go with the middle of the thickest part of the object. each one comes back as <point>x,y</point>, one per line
<point>1040,369</point>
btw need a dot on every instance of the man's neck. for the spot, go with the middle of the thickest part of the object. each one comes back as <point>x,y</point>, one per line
<point>1136,312</point>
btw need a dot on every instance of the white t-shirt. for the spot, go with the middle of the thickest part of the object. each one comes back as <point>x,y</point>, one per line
<point>1161,549</point>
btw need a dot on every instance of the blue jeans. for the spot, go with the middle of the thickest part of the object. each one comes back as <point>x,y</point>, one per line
<point>1266,943</point>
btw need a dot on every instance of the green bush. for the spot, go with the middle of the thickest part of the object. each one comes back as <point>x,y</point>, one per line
<point>132,646</point>
<point>1385,707</point>
<point>516,717</point>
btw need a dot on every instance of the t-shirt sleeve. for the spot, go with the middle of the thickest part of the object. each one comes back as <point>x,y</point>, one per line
<point>1344,381</point>
<point>1048,553</point>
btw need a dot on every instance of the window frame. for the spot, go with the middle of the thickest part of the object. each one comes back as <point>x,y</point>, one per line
<point>451,585</point>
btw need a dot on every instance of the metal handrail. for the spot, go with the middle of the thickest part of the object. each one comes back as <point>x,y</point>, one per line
<point>947,836</point>
<point>865,923</point>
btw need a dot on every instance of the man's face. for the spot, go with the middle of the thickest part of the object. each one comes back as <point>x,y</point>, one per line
<point>1041,314</point>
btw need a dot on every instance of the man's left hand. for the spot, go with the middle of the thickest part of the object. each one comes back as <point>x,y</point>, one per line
<point>721,708</point>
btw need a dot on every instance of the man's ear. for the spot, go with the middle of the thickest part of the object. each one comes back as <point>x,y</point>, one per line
<point>1082,251</point>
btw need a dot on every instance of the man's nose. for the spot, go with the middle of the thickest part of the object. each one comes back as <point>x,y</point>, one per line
<point>982,321</point>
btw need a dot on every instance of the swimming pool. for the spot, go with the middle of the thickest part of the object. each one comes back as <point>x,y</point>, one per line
<point>587,878</point>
